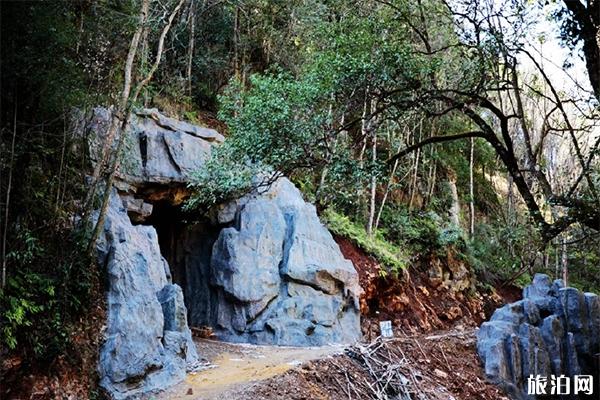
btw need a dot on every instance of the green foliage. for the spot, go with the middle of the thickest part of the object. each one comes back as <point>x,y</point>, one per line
<point>276,122</point>
<point>38,306</point>
<point>583,259</point>
<point>21,309</point>
<point>497,251</point>
<point>384,251</point>
<point>223,177</point>
<point>420,232</point>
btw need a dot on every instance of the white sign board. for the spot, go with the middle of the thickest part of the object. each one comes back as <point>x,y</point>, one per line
<point>386,328</point>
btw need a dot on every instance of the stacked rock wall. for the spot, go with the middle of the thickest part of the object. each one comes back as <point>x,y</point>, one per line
<point>553,331</point>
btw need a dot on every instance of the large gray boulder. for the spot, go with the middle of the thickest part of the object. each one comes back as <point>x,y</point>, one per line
<point>160,150</point>
<point>280,276</point>
<point>147,343</point>
<point>553,331</point>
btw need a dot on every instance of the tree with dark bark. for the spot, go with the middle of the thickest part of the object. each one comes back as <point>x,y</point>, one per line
<point>580,24</point>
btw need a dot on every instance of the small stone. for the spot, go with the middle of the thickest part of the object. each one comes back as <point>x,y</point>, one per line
<point>440,374</point>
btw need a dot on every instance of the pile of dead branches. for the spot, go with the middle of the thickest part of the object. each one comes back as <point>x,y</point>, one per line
<point>385,367</point>
<point>389,373</point>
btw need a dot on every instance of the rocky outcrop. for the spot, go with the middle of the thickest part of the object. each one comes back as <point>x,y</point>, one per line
<point>280,276</point>
<point>263,270</point>
<point>147,343</point>
<point>553,331</point>
<point>159,150</point>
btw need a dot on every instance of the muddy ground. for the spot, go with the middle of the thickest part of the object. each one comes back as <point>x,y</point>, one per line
<point>235,368</point>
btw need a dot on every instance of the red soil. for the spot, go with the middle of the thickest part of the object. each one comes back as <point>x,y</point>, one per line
<point>411,301</point>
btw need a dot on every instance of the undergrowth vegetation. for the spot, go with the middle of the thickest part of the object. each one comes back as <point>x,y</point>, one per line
<point>40,304</point>
<point>393,257</point>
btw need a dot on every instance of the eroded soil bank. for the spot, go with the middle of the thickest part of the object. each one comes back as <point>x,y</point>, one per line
<point>432,356</point>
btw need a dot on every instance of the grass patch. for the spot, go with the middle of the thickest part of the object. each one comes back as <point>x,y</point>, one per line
<point>390,255</point>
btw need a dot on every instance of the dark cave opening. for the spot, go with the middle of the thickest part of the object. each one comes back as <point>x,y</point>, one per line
<point>168,222</point>
<point>187,247</point>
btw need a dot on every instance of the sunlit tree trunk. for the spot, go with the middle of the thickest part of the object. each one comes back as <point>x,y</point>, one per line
<point>117,113</point>
<point>565,262</point>
<point>329,156</point>
<point>455,203</point>
<point>413,182</point>
<point>471,193</point>
<point>122,128</point>
<point>373,185</point>
<point>510,211</point>
<point>387,190</point>
<point>190,56</point>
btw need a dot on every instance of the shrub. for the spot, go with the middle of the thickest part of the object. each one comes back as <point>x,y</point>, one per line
<point>39,305</point>
<point>390,255</point>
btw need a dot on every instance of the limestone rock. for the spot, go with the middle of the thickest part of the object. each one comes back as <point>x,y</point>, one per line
<point>245,261</point>
<point>552,331</point>
<point>147,345</point>
<point>137,209</point>
<point>283,277</point>
<point>263,269</point>
<point>173,124</point>
<point>160,150</point>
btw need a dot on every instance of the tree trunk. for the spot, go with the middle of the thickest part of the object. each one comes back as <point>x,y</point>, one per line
<point>413,183</point>
<point>7,201</point>
<point>60,169</point>
<point>328,157</point>
<point>373,185</point>
<point>432,182</point>
<point>556,245</point>
<point>104,159</point>
<point>455,205</point>
<point>190,57</point>
<point>145,50</point>
<point>123,126</point>
<point>510,206</point>
<point>387,191</point>
<point>364,131</point>
<point>471,193</point>
<point>430,178</point>
<point>236,43</point>
<point>565,262</point>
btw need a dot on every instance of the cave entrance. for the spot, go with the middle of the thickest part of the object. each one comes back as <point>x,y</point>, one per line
<point>187,247</point>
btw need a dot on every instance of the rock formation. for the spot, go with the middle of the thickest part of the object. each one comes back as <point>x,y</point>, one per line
<point>262,270</point>
<point>280,277</point>
<point>553,331</point>
<point>148,344</point>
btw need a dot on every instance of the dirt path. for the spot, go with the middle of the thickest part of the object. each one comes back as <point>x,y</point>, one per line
<point>237,366</point>
<point>440,365</point>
